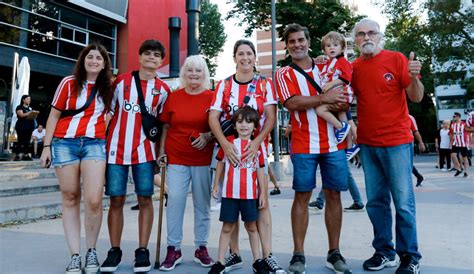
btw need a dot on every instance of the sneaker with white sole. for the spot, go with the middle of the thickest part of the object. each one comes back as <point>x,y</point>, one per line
<point>173,258</point>
<point>315,208</point>
<point>337,263</point>
<point>232,262</point>
<point>142,260</point>
<point>351,152</point>
<point>201,256</point>
<point>378,262</point>
<point>74,266</point>
<point>408,265</point>
<point>92,263</point>
<point>297,264</point>
<point>111,263</point>
<point>272,265</point>
<point>341,133</point>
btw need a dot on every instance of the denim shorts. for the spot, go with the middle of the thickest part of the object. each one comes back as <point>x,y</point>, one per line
<point>117,177</point>
<point>230,209</point>
<point>333,171</point>
<point>68,151</point>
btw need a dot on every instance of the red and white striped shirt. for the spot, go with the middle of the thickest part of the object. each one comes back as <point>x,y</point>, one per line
<point>459,133</point>
<point>470,119</point>
<point>240,182</point>
<point>339,68</point>
<point>230,94</point>
<point>309,133</point>
<point>413,125</point>
<point>126,140</point>
<point>89,123</point>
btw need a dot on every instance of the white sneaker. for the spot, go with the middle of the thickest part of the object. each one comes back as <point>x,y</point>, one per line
<point>216,207</point>
<point>444,170</point>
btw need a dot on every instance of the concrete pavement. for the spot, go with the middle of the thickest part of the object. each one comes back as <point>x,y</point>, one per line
<point>445,212</point>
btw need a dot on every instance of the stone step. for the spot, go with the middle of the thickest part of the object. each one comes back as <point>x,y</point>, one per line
<point>26,187</point>
<point>26,174</point>
<point>19,165</point>
<point>34,206</point>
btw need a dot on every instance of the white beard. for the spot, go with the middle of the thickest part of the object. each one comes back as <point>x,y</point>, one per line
<point>368,48</point>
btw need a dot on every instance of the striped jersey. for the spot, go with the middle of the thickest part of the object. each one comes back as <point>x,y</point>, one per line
<point>413,125</point>
<point>126,140</point>
<point>240,181</point>
<point>229,96</point>
<point>338,68</point>
<point>459,133</point>
<point>470,119</point>
<point>310,133</point>
<point>89,123</point>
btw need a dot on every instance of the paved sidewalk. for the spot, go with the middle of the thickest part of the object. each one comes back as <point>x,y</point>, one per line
<point>445,214</point>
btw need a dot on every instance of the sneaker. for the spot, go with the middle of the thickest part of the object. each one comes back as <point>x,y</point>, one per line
<point>341,134</point>
<point>336,262</point>
<point>202,257</point>
<point>259,267</point>
<point>419,181</point>
<point>378,262</point>
<point>351,152</point>
<point>354,208</point>
<point>444,170</point>
<point>216,207</point>
<point>272,265</point>
<point>114,256</point>
<point>74,266</point>
<point>465,175</point>
<point>92,263</point>
<point>135,207</point>
<point>275,191</point>
<point>17,158</point>
<point>408,266</point>
<point>297,264</point>
<point>234,261</point>
<point>142,260</point>
<point>452,169</point>
<point>217,268</point>
<point>315,208</point>
<point>173,258</point>
<point>457,173</point>
<point>26,158</point>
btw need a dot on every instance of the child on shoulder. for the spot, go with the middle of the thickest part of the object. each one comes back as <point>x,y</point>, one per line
<point>239,189</point>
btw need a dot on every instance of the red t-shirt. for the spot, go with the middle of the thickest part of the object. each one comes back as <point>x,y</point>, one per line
<point>379,84</point>
<point>240,181</point>
<point>187,116</point>
<point>89,123</point>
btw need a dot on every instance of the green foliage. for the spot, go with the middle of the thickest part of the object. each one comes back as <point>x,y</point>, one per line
<point>212,34</point>
<point>319,17</point>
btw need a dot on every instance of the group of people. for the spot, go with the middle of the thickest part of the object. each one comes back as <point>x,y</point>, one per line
<point>96,132</point>
<point>454,143</point>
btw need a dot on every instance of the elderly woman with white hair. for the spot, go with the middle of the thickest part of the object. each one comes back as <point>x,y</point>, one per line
<point>187,148</point>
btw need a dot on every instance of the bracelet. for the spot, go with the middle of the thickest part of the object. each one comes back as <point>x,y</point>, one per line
<point>46,145</point>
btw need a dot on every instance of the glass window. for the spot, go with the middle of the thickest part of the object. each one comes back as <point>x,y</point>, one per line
<point>80,37</point>
<point>10,15</point>
<point>101,27</point>
<point>45,8</point>
<point>70,50</point>
<point>106,42</point>
<point>67,33</point>
<point>73,18</point>
<point>9,35</point>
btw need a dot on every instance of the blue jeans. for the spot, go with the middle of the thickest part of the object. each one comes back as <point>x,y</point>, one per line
<point>353,189</point>
<point>388,176</point>
<point>117,177</point>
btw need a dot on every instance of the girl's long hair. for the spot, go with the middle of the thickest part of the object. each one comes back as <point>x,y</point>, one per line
<point>104,78</point>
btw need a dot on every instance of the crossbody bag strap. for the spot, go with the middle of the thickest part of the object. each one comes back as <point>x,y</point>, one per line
<point>309,78</point>
<point>138,85</point>
<point>72,112</point>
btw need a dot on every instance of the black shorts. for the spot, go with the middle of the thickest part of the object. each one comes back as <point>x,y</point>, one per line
<point>461,150</point>
<point>230,209</point>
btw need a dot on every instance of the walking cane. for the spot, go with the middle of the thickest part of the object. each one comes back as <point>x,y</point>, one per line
<point>160,217</point>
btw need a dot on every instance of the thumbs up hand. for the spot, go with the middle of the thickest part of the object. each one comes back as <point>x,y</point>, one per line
<point>414,66</point>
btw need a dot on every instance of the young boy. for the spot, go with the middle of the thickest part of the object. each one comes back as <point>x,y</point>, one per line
<point>239,188</point>
<point>127,146</point>
<point>336,71</point>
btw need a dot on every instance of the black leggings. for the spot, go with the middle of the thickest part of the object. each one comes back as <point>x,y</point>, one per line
<point>24,138</point>
<point>445,154</point>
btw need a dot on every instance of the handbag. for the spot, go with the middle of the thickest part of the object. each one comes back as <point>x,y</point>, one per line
<point>72,112</point>
<point>226,125</point>
<point>151,125</point>
<point>336,107</point>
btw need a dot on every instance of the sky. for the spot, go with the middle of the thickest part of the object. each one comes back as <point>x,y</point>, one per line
<point>234,32</point>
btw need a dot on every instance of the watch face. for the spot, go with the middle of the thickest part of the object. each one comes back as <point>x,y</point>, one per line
<point>246,99</point>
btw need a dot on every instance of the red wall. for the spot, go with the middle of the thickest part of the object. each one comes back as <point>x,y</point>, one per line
<point>148,19</point>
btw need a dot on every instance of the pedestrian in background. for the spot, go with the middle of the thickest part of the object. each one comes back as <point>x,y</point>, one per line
<point>24,128</point>
<point>186,146</point>
<point>421,149</point>
<point>460,142</point>
<point>443,146</point>
<point>37,137</point>
<point>74,145</point>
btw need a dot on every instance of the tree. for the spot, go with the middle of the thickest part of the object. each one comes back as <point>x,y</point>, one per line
<point>212,36</point>
<point>319,17</point>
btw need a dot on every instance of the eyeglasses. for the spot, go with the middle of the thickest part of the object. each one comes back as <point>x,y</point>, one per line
<point>370,33</point>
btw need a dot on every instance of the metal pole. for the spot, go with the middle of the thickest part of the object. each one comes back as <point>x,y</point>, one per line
<point>174,26</point>
<point>193,8</point>
<point>276,129</point>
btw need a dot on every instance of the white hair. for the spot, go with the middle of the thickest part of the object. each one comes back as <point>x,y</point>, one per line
<point>196,61</point>
<point>370,22</point>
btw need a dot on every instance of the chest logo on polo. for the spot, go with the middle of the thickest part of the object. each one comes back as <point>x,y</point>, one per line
<point>388,77</point>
